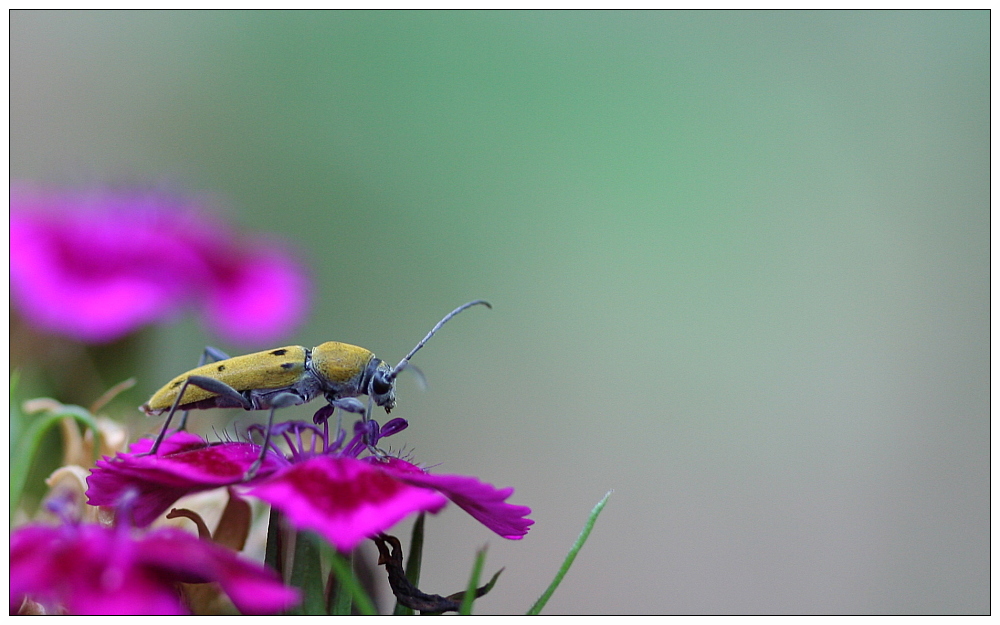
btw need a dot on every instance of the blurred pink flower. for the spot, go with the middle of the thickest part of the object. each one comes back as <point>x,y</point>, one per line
<point>91,569</point>
<point>95,266</point>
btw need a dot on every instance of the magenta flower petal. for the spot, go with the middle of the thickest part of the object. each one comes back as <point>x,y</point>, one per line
<point>184,465</point>
<point>59,287</point>
<point>259,299</point>
<point>96,266</point>
<point>344,499</point>
<point>486,503</point>
<point>83,570</point>
<point>90,569</point>
<point>253,588</point>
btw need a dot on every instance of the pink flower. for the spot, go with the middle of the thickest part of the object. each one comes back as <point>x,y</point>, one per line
<point>91,569</point>
<point>345,500</point>
<point>185,465</point>
<point>485,503</point>
<point>327,490</point>
<point>96,266</point>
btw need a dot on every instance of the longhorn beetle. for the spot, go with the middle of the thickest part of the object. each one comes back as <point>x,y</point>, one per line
<point>286,376</point>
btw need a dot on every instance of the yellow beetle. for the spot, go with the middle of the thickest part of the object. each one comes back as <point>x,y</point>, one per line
<point>286,376</point>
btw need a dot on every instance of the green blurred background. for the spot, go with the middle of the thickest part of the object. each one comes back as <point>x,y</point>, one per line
<point>739,265</point>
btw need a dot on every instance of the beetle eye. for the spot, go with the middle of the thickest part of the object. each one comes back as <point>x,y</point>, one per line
<point>381,386</point>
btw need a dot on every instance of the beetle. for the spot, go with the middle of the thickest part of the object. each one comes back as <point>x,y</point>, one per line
<point>286,376</point>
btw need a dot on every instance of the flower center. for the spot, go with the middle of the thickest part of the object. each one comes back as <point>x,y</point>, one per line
<point>307,440</point>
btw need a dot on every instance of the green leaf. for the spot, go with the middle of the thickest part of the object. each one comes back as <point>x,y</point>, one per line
<point>272,550</point>
<point>568,562</point>
<point>20,464</point>
<point>413,562</point>
<point>349,582</point>
<point>307,575</point>
<point>16,418</point>
<point>489,586</point>
<point>470,589</point>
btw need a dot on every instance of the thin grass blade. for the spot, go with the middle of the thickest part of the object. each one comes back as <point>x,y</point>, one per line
<point>568,562</point>
<point>470,590</point>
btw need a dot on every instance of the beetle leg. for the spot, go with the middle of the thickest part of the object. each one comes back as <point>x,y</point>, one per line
<point>349,404</point>
<point>216,355</point>
<point>372,448</point>
<point>209,384</point>
<point>281,400</point>
<point>354,405</point>
<point>346,404</point>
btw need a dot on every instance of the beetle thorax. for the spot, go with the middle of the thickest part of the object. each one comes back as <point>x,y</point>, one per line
<point>348,371</point>
<point>340,367</point>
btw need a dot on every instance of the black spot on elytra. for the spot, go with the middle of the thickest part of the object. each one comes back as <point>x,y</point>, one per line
<point>221,368</point>
<point>176,384</point>
<point>279,352</point>
<point>287,365</point>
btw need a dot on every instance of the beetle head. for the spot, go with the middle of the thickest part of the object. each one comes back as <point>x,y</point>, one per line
<point>382,388</point>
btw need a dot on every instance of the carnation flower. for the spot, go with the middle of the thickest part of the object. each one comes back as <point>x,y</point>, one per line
<point>88,568</point>
<point>322,486</point>
<point>95,266</point>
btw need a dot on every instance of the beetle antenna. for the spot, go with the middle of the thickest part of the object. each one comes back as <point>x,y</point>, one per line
<point>402,363</point>
<point>421,378</point>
